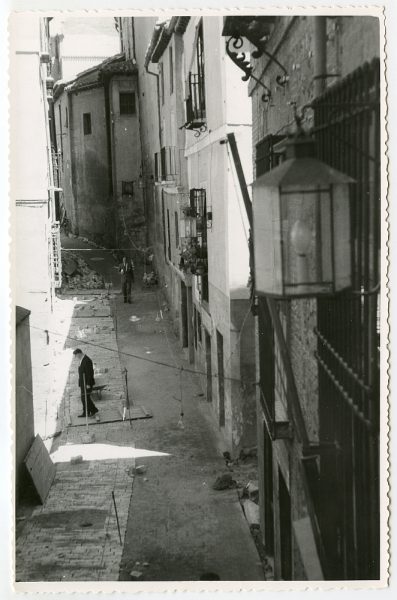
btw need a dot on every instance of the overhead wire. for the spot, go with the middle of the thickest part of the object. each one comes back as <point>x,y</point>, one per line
<point>131,355</point>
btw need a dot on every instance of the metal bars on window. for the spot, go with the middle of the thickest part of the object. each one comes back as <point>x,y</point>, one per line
<point>55,257</point>
<point>347,130</point>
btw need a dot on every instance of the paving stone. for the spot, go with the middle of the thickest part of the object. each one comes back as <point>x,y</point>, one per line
<point>45,550</point>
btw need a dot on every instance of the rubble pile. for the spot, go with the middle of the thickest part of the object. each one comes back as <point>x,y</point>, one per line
<point>76,274</point>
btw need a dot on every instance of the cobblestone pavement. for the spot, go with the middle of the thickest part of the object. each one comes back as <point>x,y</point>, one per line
<point>174,526</point>
<point>74,535</point>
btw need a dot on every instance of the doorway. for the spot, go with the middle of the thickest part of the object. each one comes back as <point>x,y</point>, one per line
<point>208,364</point>
<point>285,529</point>
<point>221,378</point>
<point>268,492</point>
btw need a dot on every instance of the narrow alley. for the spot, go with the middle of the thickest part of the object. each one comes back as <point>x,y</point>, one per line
<point>199,250</point>
<point>174,525</point>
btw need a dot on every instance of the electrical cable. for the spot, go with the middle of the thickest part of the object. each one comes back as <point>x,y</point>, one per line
<point>129,354</point>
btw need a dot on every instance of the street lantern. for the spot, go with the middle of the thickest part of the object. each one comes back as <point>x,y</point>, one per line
<point>188,224</point>
<point>302,232</point>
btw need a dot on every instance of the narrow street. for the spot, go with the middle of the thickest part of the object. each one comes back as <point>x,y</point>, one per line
<point>174,525</point>
<point>177,523</point>
<point>198,277</point>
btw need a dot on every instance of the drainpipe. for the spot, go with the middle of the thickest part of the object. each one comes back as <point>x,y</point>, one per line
<point>320,55</point>
<point>133,37</point>
<point>72,157</point>
<point>158,100</point>
<point>109,139</point>
<point>108,134</point>
<point>148,57</point>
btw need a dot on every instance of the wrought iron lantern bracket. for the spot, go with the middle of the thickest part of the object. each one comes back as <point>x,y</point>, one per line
<point>239,59</point>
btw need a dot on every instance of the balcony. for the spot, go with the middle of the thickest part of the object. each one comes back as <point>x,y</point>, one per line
<point>56,167</point>
<point>56,259</point>
<point>194,257</point>
<point>195,105</point>
<point>168,165</point>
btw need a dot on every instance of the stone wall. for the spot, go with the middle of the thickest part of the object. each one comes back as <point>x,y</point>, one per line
<point>350,42</point>
<point>24,415</point>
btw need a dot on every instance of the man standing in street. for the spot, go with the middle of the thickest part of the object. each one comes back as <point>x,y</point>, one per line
<point>86,382</point>
<point>127,277</point>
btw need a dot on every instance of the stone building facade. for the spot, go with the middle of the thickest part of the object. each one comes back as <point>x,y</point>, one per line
<point>35,261</point>
<point>326,72</point>
<point>98,140</point>
<point>191,97</point>
<point>24,412</point>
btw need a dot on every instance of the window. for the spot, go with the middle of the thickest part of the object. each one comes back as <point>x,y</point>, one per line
<point>163,219</point>
<point>176,230</point>
<point>200,53</point>
<point>195,103</point>
<point>127,188</point>
<point>66,117</point>
<point>199,326</point>
<point>169,235</point>
<point>198,203</point>
<point>87,123</point>
<point>171,61</point>
<point>127,103</point>
<point>267,156</point>
<point>221,378</point>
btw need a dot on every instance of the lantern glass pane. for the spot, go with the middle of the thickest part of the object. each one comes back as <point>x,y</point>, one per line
<point>187,227</point>
<point>342,236</point>
<point>307,240</point>
<point>267,230</point>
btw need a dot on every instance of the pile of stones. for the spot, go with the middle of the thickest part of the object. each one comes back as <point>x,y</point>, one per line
<point>76,274</point>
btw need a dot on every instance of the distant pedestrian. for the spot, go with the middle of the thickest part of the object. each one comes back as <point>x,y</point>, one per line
<point>86,382</point>
<point>127,277</point>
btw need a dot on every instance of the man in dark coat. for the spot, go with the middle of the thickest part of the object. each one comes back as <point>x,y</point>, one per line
<point>127,277</point>
<point>87,381</point>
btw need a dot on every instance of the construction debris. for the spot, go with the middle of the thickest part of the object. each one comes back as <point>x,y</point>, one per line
<point>76,274</point>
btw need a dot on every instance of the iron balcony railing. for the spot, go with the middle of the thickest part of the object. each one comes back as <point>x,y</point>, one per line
<point>56,166</point>
<point>168,164</point>
<point>55,255</point>
<point>195,103</point>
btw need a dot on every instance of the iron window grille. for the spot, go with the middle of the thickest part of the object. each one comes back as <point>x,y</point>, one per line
<point>127,188</point>
<point>198,203</point>
<point>347,130</point>
<point>195,102</point>
<point>127,103</point>
<point>267,154</point>
<point>56,260</point>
